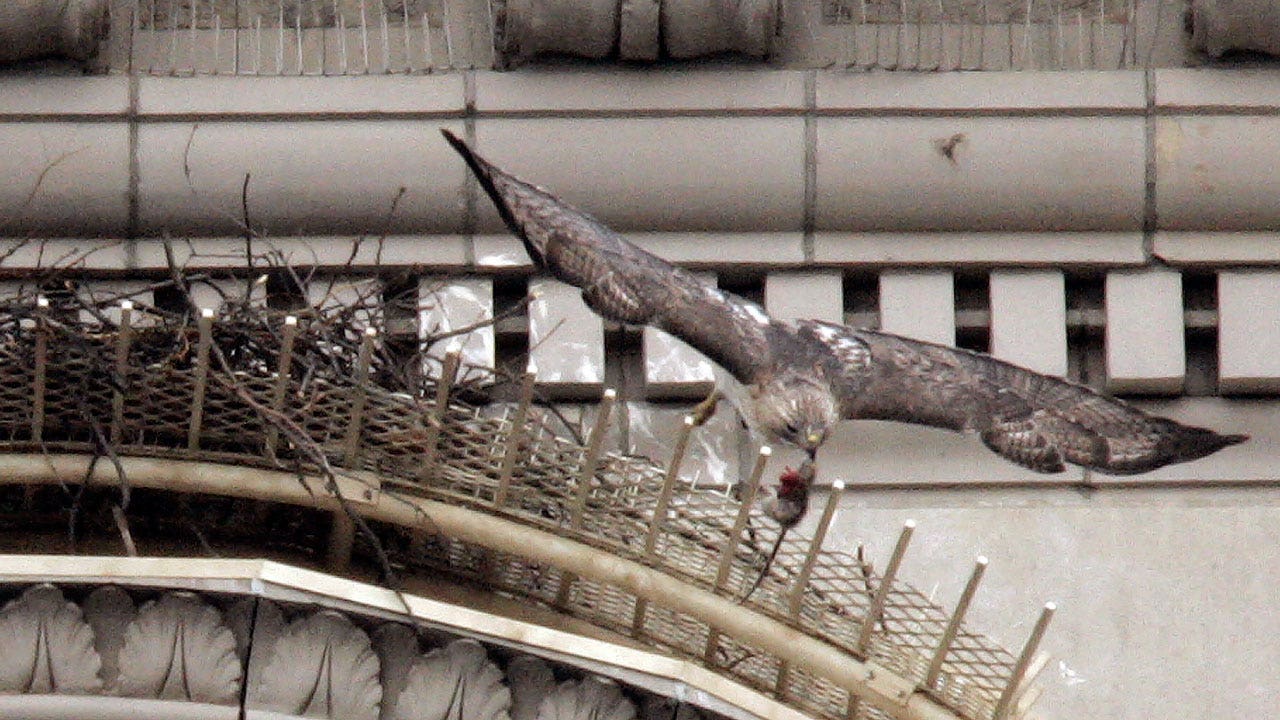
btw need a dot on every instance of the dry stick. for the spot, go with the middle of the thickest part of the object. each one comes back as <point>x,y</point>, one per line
<point>953,624</point>
<point>661,512</point>
<point>876,609</point>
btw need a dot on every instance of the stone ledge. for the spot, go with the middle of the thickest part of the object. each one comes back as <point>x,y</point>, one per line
<point>298,97</point>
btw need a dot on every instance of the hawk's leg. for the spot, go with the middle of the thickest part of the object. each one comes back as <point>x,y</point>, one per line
<point>703,411</point>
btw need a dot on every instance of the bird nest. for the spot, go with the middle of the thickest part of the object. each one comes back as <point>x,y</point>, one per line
<point>305,389</point>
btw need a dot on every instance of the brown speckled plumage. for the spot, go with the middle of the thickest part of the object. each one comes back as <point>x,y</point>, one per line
<point>805,376</point>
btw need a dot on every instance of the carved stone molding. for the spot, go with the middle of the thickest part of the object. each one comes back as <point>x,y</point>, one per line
<point>147,650</point>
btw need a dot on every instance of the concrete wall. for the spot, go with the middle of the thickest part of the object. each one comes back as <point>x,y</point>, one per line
<point>1136,210</point>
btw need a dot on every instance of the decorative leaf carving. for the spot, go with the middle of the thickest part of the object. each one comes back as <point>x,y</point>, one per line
<point>397,648</point>
<point>657,707</point>
<point>592,698</point>
<point>531,681</point>
<point>48,647</point>
<point>177,648</point>
<point>455,682</point>
<point>321,666</point>
<point>109,610</point>
<point>265,620</point>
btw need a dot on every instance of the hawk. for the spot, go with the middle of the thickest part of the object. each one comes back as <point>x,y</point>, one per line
<point>802,377</point>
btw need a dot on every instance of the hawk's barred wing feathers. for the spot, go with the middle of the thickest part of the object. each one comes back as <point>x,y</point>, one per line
<point>1034,420</point>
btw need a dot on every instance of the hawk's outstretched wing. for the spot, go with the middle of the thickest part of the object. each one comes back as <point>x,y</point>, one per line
<point>623,282</point>
<point>1035,420</point>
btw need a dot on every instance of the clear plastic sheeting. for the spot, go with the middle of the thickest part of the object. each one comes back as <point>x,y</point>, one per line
<point>712,459</point>
<point>447,307</point>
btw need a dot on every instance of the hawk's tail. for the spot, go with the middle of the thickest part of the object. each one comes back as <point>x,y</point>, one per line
<point>488,175</point>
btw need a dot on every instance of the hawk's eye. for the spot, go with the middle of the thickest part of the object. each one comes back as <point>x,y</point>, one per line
<point>792,429</point>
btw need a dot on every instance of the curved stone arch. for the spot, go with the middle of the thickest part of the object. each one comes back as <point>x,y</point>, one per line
<point>611,540</point>
<point>730,628</point>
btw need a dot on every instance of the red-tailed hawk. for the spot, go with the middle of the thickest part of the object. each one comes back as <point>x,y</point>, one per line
<point>804,376</point>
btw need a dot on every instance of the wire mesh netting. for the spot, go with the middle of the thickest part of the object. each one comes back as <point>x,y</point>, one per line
<point>308,396</point>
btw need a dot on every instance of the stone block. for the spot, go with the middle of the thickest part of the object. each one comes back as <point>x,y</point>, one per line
<point>638,30</point>
<point>191,177</point>
<point>1146,351</point>
<point>45,95</point>
<point>919,304</point>
<point>658,174</point>
<point>629,90</point>
<point>979,249</point>
<point>566,340</point>
<point>811,295</point>
<point>446,305</point>
<point>989,91</point>
<point>1029,319</point>
<point>65,179</point>
<point>1217,248</point>
<point>298,97</point>
<point>980,173</point>
<point>1217,172</point>
<point>1249,331</point>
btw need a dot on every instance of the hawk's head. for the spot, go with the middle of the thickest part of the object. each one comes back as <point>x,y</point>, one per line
<point>797,408</point>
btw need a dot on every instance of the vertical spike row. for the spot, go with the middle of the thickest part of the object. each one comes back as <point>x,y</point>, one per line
<point>796,594</point>
<point>740,522</point>
<point>201,379</point>
<point>660,511</point>
<point>444,387</point>
<point>359,398</point>
<point>876,610</point>
<point>284,367</point>
<point>124,337</point>
<point>590,464</point>
<point>516,436</point>
<point>730,548</point>
<point>953,624</point>
<point>591,459</point>
<point>39,380</point>
<point>1024,661</point>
